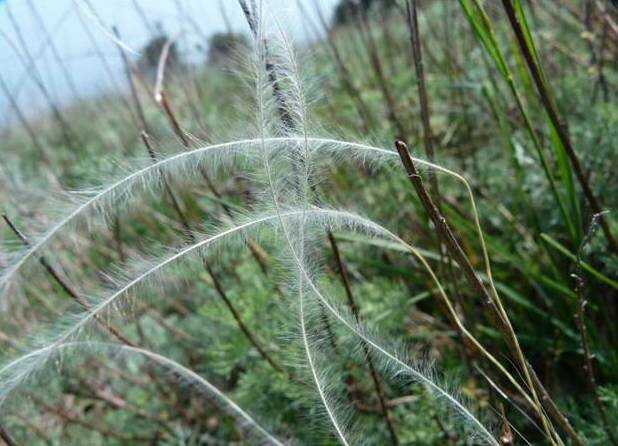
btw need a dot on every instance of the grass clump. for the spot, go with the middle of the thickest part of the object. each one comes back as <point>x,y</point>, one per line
<point>267,263</point>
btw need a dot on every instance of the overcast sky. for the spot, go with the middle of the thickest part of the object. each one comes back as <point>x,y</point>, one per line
<point>61,20</point>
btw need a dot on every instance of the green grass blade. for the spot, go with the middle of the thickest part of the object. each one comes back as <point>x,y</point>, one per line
<point>585,266</point>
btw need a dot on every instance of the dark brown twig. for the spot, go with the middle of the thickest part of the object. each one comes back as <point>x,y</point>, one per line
<point>344,73</point>
<point>417,56</point>
<point>441,225</point>
<point>167,108</point>
<point>475,282</point>
<point>506,436</point>
<point>428,144</point>
<point>558,124</point>
<point>580,322</point>
<point>596,60</point>
<point>161,99</point>
<point>67,416</point>
<point>97,391</point>
<point>6,437</point>
<point>553,410</point>
<point>450,437</point>
<point>117,230</point>
<point>239,321</point>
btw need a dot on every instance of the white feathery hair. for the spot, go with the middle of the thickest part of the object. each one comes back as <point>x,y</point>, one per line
<point>283,145</point>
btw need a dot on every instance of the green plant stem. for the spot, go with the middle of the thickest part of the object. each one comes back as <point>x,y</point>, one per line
<point>552,111</point>
<point>580,321</point>
<point>462,260</point>
<point>482,27</point>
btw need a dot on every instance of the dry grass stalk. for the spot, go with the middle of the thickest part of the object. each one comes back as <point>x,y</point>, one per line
<point>559,125</point>
<point>475,282</point>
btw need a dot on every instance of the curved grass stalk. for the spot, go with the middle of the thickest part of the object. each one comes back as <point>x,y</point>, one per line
<point>304,275</point>
<point>534,401</point>
<point>249,142</point>
<point>353,328</point>
<point>313,368</point>
<point>460,325</point>
<point>263,82</point>
<point>133,178</point>
<point>40,355</point>
<point>183,371</point>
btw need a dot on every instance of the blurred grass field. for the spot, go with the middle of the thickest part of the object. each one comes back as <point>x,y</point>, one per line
<point>548,253</point>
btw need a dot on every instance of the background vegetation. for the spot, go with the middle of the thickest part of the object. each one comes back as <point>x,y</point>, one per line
<point>517,97</point>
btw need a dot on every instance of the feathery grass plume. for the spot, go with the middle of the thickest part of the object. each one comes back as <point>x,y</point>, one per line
<point>284,144</point>
<point>188,161</point>
<point>319,374</point>
<point>130,278</point>
<point>146,175</point>
<point>246,421</point>
<point>120,287</point>
<point>393,359</point>
<point>273,77</point>
<point>80,205</point>
<point>295,237</point>
<point>395,362</point>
